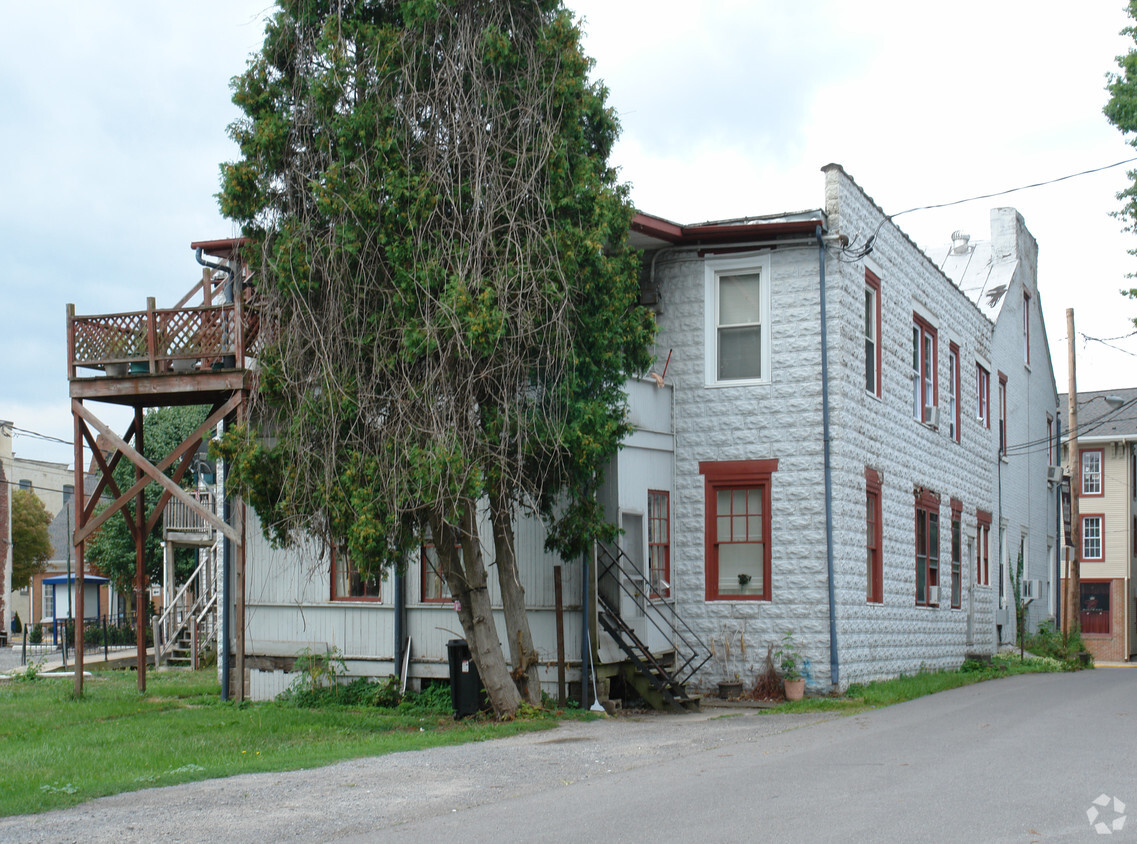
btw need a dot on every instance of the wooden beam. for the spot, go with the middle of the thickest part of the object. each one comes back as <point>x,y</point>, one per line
<point>107,478</point>
<point>154,473</point>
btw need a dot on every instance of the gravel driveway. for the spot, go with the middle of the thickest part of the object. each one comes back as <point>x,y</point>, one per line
<point>365,797</point>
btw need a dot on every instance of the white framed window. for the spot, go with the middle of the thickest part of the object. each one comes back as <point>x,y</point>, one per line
<point>737,320</point>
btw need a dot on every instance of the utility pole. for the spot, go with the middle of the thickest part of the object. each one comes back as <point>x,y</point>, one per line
<point>1071,603</point>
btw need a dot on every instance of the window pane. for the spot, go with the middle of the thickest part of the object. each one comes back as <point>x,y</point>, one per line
<point>738,531</point>
<point>743,559</point>
<point>739,302</point>
<point>754,531</point>
<point>724,529</point>
<point>870,366</point>
<point>738,505</point>
<point>740,353</point>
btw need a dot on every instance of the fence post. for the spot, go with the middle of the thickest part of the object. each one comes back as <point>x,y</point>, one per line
<point>106,641</point>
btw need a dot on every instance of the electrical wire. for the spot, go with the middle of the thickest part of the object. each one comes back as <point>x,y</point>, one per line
<point>853,256</point>
<point>37,435</point>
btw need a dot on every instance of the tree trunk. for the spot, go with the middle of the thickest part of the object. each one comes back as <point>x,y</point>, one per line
<point>521,651</point>
<point>466,577</point>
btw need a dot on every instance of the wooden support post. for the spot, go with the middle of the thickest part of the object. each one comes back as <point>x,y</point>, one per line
<point>1071,595</point>
<point>140,557</point>
<point>78,504</point>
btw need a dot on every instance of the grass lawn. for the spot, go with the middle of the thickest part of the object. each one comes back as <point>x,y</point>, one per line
<point>59,750</point>
<point>912,686</point>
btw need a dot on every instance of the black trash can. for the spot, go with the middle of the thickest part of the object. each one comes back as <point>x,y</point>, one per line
<point>466,695</point>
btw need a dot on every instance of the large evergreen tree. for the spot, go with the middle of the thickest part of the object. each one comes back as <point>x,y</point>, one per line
<point>442,264</point>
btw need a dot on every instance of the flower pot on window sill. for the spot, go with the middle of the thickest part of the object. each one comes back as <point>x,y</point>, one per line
<point>730,689</point>
<point>795,689</point>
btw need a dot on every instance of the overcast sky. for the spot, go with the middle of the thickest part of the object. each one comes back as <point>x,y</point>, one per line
<point>113,116</point>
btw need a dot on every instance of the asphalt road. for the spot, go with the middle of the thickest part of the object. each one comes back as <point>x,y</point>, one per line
<point>1020,759</point>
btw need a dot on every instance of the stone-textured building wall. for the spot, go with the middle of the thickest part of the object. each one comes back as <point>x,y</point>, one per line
<point>782,419</point>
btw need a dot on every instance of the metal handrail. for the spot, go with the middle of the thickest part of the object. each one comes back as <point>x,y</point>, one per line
<point>687,643</point>
<point>171,629</point>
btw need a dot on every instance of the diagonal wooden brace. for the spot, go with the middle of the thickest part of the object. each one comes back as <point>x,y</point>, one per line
<point>155,473</point>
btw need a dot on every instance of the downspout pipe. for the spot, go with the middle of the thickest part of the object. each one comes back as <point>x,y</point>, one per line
<point>229,361</point>
<point>400,623</point>
<point>834,663</point>
<point>1059,529</point>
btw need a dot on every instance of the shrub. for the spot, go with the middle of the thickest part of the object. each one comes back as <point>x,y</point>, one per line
<point>1048,642</point>
<point>35,635</point>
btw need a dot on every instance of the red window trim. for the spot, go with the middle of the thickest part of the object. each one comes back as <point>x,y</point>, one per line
<point>928,503</point>
<point>374,599</point>
<point>983,548</point>
<point>927,328</point>
<point>427,570</point>
<point>873,280</point>
<point>983,391</point>
<point>666,546</point>
<point>1082,536</point>
<point>956,545</point>
<point>1082,452</point>
<point>953,354</point>
<point>874,592</point>
<point>732,474</point>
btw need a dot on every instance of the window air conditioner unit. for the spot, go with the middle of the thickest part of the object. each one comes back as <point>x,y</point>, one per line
<point>1032,590</point>
<point>1054,474</point>
<point>933,594</point>
<point>932,414</point>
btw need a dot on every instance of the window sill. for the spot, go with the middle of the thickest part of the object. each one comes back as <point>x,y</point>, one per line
<point>742,382</point>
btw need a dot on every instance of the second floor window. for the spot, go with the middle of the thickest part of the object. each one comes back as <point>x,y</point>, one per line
<point>953,392</point>
<point>872,333</point>
<point>923,370</point>
<point>737,324</point>
<point>1091,471</point>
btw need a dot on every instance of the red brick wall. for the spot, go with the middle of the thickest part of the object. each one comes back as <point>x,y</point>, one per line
<point>1111,648</point>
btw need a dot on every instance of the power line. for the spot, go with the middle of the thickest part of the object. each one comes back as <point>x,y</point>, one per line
<point>37,435</point>
<point>1014,190</point>
<point>852,255</point>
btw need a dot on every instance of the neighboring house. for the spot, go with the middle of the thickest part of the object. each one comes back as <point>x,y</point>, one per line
<point>54,485</point>
<point>1106,482</point>
<point>1019,401</point>
<point>47,600</point>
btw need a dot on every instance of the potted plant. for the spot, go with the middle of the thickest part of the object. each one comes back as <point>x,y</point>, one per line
<point>789,663</point>
<point>743,580</point>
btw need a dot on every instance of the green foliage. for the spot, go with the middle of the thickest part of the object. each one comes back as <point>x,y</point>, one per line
<point>444,256</point>
<point>31,547</point>
<point>1048,642</point>
<point>112,551</point>
<point>1121,111</point>
<point>788,657</point>
<point>30,672</point>
<point>35,635</point>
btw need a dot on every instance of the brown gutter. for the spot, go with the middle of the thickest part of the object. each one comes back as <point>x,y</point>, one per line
<point>718,233</point>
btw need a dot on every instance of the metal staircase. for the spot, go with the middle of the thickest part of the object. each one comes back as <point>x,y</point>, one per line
<point>188,623</point>
<point>661,678</point>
